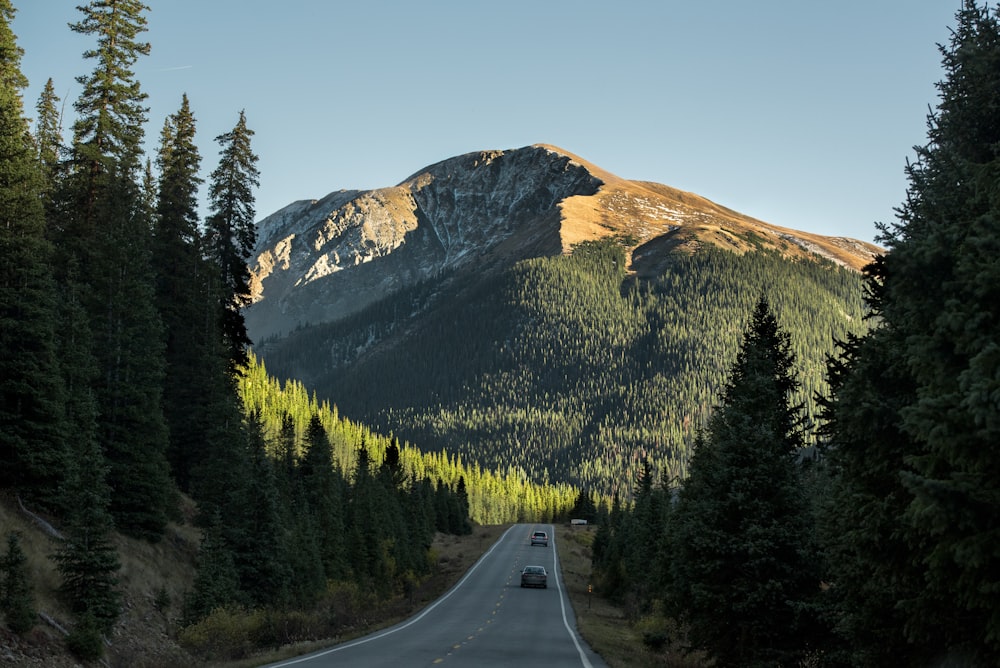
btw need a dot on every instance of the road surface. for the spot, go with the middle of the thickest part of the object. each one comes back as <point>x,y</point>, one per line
<point>486,620</point>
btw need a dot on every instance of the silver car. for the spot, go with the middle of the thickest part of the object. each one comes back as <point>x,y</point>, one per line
<point>534,576</point>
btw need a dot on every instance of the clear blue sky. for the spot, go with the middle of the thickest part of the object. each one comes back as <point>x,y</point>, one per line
<point>797,112</point>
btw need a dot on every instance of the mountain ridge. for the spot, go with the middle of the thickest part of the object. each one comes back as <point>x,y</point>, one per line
<point>322,260</point>
<point>533,314</point>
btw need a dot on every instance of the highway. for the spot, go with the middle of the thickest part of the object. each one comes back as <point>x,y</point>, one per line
<point>486,620</point>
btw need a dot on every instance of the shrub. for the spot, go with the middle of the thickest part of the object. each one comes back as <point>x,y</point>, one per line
<point>85,640</point>
<point>226,633</point>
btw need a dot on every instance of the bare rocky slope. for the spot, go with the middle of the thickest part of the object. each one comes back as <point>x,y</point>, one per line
<point>319,261</point>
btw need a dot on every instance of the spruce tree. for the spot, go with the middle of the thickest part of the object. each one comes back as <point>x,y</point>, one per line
<point>741,525</point>
<point>32,434</point>
<point>870,561</point>
<point>939,305</point>
<point>216,583</point>
<point>254,527</point>
<point>103,226</point>
<point>87,559</point>
<point>17,602</point>
<point>325,489</point>
<point>48,134</point>
<point>181,292</point>
<point>232,233</point>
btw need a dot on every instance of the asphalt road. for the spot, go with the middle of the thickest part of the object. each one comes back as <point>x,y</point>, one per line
<point>485,620</point>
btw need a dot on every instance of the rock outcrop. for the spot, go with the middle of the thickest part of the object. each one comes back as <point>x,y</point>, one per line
<point>319,261</point>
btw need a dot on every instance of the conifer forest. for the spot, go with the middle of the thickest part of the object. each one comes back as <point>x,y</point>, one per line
<point>787,463</point>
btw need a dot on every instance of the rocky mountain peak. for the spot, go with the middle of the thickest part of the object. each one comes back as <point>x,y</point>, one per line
<point>321,260</point>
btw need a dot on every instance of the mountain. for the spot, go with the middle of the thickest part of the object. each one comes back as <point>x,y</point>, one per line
<point>533,314</point>
<point>321,260</point>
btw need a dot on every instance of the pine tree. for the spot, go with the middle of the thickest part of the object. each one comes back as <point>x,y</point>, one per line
<point>325,489</point>
<point>639,536</point>
<point>32,430</point>
<point>87,559</point>
<point>741,525</point>
<point>216,583</point>
<point>181,292</point>
<point>48,134</point>
<point>103,226</point>
<point>462,504</point>
<point>254,527</point>
<point>232,232</point>
<point>109,131</point>
<point>939,304</point>
<point>584,507</point>
<point>870,561</point>
<point>17,602</point>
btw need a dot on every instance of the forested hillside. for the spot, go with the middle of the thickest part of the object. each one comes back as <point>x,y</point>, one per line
<point>569,368</point>
<point>130,400</point>
<point>286,410</point>
<point>882,548</point>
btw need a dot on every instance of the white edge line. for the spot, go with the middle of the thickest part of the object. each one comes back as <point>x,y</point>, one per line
<point>562,602</point>
<point>412,620</point>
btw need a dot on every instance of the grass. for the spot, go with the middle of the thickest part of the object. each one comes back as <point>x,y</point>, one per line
<point>605,625</point>
<point>154,578</point>
<point>455,556</point>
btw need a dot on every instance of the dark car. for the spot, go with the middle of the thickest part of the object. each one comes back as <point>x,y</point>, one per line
<point>534,576</point>
<point>540,538</point>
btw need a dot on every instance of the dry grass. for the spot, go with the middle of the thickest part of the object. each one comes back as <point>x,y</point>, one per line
<point>602,624</point>
<point>155,576</point>
<point>646,211</point>
<point>153,579</point>
<point>455,556</point>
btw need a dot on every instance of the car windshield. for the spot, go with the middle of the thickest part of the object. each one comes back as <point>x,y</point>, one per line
<point>536,570</point>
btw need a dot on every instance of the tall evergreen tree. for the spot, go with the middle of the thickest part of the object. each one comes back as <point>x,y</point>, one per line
<point>232,232</point>
<point>48,134</point>
<point>17,602</point>
<point>870,560</point>
<point>216,582</point>
<point>109,130</point>
<point>87,559</point>
<point>741,525</point>
<point>32,451</point>
<point>254,527</point>
<point>104,225</point>
<point>181,292</point>
<point>325,490</point>
<point>939,303</point>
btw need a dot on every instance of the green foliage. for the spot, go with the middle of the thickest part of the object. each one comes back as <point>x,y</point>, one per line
<point>232,233</point>
<point>566,369</point>
<point>870,561</point>
<point>85,640</point>
<point>17,602</point>
<point>182,294</point>
<point>492,497</point>
<point>86,559</point>
<point>101,225</point>
<point>225,632</point>
<point>216,582</point>
<point>32,450</point>
<point>926,488</point>
<point>741,569</point>
<point>109,129</point>
<point>48,135</point>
